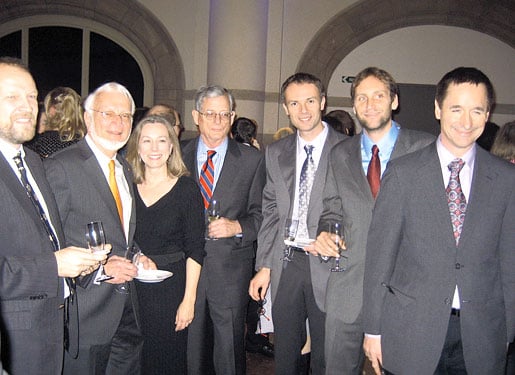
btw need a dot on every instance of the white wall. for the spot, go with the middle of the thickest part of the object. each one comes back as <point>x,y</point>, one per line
<point>423,54</point>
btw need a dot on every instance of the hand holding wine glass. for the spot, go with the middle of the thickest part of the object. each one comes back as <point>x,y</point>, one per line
<point>213,213</point>
<point>133,254</point>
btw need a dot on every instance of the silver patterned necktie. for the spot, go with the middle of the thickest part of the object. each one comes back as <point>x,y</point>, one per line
<point>307,176</point>
<point>456,198</point>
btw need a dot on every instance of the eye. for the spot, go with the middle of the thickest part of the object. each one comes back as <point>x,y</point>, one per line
<point>293,104</point>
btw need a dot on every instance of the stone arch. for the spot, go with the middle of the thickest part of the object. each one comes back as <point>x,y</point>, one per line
<point>369,18</point>
<point>131,20</point>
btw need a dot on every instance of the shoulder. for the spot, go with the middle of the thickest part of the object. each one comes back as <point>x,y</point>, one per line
<point>242,151</point>
<point>416,136</point>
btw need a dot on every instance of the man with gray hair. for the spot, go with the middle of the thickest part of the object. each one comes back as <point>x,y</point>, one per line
<point>234,175</point>
<point>91,182</point>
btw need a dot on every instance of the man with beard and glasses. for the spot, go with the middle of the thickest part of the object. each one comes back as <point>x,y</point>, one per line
<point>352,184</point>
<point>92,182</point>
<point>33,260</point>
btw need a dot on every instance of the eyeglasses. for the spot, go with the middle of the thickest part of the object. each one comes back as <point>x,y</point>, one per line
<point>111,116</point>
<point>211,115</point>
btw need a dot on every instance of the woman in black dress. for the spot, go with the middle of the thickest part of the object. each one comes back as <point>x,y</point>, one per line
<point>169,230</point>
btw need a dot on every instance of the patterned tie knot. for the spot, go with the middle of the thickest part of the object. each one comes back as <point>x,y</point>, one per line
<point>210,154</point>
<point>309,150</point>
<point>455,166</point>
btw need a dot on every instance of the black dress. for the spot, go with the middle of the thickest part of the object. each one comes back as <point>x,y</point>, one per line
<point>48,143</point>
<point>171,226</point>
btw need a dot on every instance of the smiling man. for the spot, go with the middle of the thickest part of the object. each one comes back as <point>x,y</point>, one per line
<point>439,288</point>
<point>296,169</point>
<point>234,175</point>
<point>349,198</point>
<point>92,182</point>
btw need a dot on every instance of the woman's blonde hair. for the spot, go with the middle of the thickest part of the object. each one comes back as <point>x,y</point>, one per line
<point>68,115</point>
<point>175,164</point>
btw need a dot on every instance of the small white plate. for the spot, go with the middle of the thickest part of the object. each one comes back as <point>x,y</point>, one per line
<point>299,242</point>
<point>153,276</point>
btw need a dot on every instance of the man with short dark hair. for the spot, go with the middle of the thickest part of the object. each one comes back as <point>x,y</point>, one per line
<point>296,170</point>
<point>439,288</point>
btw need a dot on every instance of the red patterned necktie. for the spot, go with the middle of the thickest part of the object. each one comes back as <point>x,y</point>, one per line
<point>206,179</point>
<point>374,171</point>
<point>456,198</point>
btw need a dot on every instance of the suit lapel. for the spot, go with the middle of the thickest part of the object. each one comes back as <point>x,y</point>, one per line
<point>355,166</point>
<point>230,164</point>
<point>287,163</point>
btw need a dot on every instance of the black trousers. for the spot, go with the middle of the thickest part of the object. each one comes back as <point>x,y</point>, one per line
<point>293,304</point>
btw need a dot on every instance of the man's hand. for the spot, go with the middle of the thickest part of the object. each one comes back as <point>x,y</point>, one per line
<point>259,284</point>
<point>223,228</point>
<point>120,269</point>
<point>74,261</point>
<point>325,246</point>
<point>372,348</point>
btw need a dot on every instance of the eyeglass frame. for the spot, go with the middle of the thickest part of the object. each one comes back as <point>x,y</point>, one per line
<point>211,115</point>
<point>125,117</point>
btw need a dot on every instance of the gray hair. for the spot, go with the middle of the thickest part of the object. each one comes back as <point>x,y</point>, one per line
<point>212,92</point>
<point>109,87</point>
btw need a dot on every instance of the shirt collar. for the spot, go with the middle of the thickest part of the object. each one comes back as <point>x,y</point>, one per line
<point>385,144</point>
<point>9,150</point>
<point>446,156</point>
<point>101,157</point>
<point>317,143</point>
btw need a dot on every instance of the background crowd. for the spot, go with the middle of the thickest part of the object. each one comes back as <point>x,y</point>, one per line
<point>419,280</point>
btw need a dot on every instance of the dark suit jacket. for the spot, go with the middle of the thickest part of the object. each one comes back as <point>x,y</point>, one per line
<point>347,198</point>
<point>239,189</point>
<point>31,293</point>
<point>83,195</point>
<point>278,198</point>
<point>413,265</point>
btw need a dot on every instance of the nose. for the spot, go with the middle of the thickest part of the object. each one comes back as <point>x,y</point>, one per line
<point>467,120</point>
<point>154,146</point>
<point>303,107</point>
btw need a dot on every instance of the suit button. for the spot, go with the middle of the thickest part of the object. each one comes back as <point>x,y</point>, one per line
<point>458,266</point>
<point>447,301</point>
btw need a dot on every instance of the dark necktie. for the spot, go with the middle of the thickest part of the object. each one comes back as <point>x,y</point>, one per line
<point>307,176</point>
<point>34,199</point>
<point>207,178</point>
<point>374,171</point>
<point>456,199</point>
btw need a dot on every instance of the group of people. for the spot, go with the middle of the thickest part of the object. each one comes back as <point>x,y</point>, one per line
<point>426,286</point>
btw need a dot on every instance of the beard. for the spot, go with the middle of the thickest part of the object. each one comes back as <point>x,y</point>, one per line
<point>106,143</point>
<point>17,134</point>
<point>383,122</point>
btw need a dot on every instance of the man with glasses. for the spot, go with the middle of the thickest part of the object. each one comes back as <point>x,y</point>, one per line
<point>92,182</point>
<point>234,175</point>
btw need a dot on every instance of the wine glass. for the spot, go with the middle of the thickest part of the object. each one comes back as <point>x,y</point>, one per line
<point>96,240</point>
<point>133,253</point>
<point>213,213</point>
<point>290,232</point>
<point>336,232</point>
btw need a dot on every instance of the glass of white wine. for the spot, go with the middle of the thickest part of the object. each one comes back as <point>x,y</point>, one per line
<point>96,240</point>
<point>336,232</point>
<point>213,213</point>
<point>290,232</point>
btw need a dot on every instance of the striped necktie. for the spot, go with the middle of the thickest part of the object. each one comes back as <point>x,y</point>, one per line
<point>207,178</point>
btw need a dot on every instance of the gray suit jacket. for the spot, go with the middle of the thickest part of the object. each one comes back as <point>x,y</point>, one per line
<point>83,195</point>
<point>347,198</point>
<point>239,190</point>
<point>278,198</point>
<point>31,293</point>
<point>413,265</point>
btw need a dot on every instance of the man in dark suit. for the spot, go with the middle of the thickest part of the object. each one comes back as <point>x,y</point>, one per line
<point>81,178</point>
<point>349,199</point>
<point>439,288</point>
<point>299,282</point>
<point>32,268</point>
<point>216,335</point>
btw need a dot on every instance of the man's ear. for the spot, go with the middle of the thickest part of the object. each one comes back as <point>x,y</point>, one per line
<point>438,111</point>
